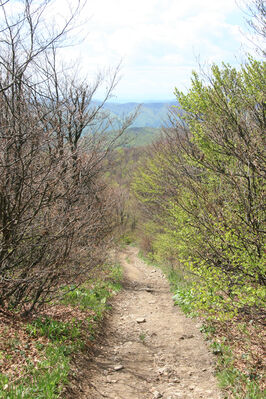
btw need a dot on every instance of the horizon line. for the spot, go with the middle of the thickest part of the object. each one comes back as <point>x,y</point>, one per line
<point>126,101</point>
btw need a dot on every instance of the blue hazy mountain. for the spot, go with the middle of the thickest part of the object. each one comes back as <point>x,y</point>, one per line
<point>151,114</point>
<point>146,127</point>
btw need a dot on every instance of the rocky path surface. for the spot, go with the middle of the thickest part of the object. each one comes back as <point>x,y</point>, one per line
<point>150,349</point>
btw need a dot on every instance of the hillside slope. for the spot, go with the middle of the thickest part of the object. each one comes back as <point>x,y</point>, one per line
<point>151,115</point>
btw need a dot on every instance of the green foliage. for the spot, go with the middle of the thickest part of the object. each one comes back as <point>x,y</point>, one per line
<point>47,379</point>
<point>140,136</point>
<point>184,298</point>
<point>127,239</point>
<point>94,296</point>
<point>240,385</point>
<point>54,330</point>
<point>202,191</point>
<point>208,330</point>
<point>44,381</point>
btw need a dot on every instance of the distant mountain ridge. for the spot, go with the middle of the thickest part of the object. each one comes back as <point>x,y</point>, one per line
<point>152,114</point>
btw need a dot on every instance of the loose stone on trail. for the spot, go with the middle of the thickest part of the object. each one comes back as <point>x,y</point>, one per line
<point>118,367</point>
<point>157,395</point>
<point>140,320</point>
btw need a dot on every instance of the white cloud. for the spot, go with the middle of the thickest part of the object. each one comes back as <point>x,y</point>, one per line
<point>158,40</point>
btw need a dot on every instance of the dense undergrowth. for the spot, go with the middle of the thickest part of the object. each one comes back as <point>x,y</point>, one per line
<point>35,354</point>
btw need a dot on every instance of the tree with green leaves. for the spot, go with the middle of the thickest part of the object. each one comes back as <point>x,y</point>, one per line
<point>203,186</point>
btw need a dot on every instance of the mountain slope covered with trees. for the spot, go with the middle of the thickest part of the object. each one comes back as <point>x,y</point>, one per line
<point>151,114</point>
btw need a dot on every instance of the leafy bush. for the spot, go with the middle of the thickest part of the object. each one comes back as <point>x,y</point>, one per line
<point>202,190</point>
<point>184,298</point>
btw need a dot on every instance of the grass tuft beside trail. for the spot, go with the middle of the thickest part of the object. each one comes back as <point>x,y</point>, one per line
<point>35,354</point>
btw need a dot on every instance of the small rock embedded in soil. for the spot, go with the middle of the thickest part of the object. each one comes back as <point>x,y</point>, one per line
<point>140,320</point>
<point>118,367</point>
<point>157,395</point>
<point>176,381</point>
<point>187,336</point>
<point>110,380</point>
<point>163,371</point>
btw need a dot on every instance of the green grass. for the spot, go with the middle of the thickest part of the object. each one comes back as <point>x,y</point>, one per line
<point>47,379</point>
<point>142,337</point>
<point>208,330</point>
<point>54,330</point>
<point>240,385</point>
<point>149,261</point>
<point>184,298</point>
<point>234,383</point>
<point>183,295</point>
<point>95,293</point>
<point>42,382</point>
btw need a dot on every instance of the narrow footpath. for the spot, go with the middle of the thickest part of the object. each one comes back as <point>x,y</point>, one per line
<point>149,349</point>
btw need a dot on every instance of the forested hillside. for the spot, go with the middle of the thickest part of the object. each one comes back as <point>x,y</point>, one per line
<point>150,115</point>
<point>140,136</point>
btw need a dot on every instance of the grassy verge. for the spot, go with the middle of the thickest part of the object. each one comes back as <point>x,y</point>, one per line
<point>239,367</point>
<point>237,344</point>
<point>35,355</point>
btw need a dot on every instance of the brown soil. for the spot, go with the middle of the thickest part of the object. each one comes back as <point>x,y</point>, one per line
<point>164,356</point>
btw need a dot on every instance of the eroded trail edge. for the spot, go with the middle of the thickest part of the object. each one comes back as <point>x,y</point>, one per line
<point>149,349</point>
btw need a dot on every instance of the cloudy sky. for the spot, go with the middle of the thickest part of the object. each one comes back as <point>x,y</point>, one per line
<point>158,42</point>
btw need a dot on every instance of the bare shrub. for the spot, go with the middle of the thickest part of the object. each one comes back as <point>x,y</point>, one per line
<point>56,212</point>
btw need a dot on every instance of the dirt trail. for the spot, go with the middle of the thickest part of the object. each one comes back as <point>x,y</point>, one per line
<point>164,356</point>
